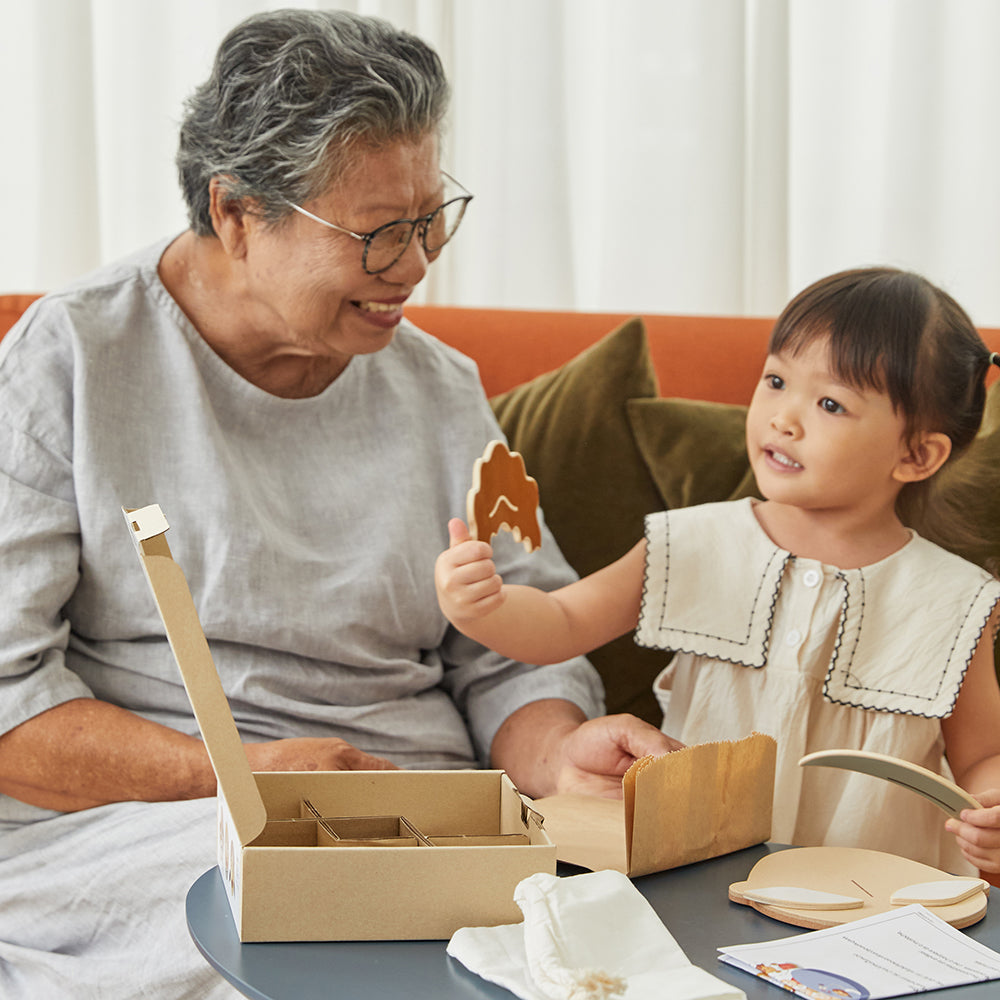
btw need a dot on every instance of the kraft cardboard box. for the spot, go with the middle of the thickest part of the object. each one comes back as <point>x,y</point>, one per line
<point>345,855</point>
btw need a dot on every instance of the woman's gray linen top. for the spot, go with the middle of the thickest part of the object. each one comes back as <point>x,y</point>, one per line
<point>307,530</point>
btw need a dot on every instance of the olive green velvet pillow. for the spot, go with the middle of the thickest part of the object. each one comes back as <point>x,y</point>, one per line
<point>695,451</point>
<point>572,428</point>
<point>965,516</point>
<point>973,489</point>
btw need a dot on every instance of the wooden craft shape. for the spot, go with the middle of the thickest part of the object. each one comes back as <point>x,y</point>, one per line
<point>879,881</point>
<point>503,495</point>
<point>797,898</point>
<point>943,793</point>
<point>937,893</point>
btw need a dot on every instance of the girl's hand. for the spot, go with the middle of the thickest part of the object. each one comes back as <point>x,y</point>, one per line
<point>465,576</point>
<point>978,831</point>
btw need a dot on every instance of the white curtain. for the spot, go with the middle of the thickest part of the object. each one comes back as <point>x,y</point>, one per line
<point>702,156</point>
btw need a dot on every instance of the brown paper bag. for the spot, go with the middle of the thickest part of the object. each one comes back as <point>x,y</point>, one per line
<point>686,806</point>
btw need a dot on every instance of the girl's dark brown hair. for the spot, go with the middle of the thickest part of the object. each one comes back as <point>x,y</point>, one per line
<point>894,332</point>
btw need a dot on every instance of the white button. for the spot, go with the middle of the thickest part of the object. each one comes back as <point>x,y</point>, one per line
<point>810,578</point>
<point>793,638</point>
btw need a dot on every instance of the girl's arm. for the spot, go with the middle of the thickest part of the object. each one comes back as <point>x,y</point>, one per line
<point>972,744</point>
<point>531,625</point>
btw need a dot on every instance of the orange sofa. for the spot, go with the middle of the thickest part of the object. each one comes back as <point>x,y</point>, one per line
<point>615,417</point>
<point>695,357</point>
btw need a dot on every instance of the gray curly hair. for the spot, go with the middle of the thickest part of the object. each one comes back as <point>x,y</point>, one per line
<point>290,94</point>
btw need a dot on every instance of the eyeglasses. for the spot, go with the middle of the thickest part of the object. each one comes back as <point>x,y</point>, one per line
<point>385,245</point>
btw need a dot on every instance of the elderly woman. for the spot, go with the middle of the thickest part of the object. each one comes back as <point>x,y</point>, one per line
<point>256,378</point>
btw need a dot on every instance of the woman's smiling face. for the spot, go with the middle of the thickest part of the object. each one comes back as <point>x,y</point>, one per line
<point>309,295</point>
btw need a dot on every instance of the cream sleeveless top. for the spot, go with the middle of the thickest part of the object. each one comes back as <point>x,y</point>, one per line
<point>818,657</point>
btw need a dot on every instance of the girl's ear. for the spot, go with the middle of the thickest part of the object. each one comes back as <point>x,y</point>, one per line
<point>228,217</point>
<point>928,451</point>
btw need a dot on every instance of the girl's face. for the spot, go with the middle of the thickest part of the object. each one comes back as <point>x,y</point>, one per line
<point>819,444</point>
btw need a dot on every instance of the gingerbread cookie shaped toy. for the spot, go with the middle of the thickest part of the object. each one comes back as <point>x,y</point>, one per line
<point>503,495</point>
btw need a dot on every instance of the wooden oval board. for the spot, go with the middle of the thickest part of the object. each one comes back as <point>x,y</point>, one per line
<point>873,876</point>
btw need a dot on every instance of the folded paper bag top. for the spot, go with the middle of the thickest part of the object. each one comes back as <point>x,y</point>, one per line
<point>686,806</point>
<point>585,937</point>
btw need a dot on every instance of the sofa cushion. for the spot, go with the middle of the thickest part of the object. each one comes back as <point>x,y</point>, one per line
<point>572,427</point>
<point>694,450</point>
<point>970,496</point>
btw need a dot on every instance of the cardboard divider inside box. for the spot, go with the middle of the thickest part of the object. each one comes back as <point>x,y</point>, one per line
<point>345,855</point>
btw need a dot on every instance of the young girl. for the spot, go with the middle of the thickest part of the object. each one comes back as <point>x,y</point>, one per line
<point>816,615</point>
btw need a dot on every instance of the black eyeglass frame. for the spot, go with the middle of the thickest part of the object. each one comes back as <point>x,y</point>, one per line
<point>422,221</point>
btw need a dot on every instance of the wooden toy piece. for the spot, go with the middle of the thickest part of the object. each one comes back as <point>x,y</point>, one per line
<point>874,877</point>
<point>503,495</point>
<point>943,793</point>
<point>802,899</point>
<point>939,893</point>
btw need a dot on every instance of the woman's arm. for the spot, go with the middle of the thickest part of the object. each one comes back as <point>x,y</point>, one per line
<point>85,753</point>
<point>532,625</point>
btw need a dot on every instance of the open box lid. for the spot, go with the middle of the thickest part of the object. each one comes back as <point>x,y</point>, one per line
<point>201,679</point>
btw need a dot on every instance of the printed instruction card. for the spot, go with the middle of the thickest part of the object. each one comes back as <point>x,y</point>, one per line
<point>900,953</point>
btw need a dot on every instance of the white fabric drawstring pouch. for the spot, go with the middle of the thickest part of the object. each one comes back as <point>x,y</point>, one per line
<point>585,937</point>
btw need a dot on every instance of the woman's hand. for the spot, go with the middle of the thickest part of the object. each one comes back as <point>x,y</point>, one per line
<point>549,746</point>
<point>312,754</point>
<point>978,831</point>
<point>597,753</point>
<point>466,578</point>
